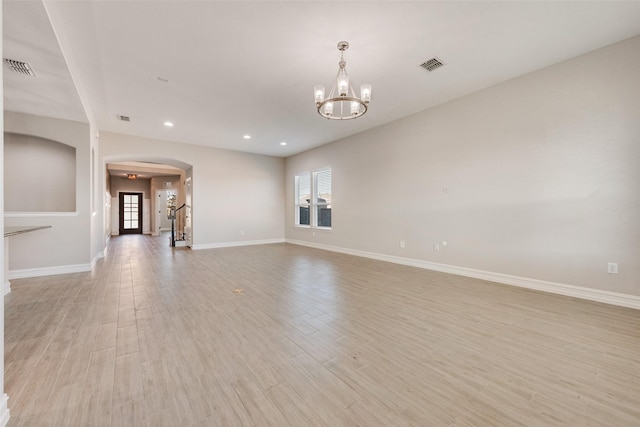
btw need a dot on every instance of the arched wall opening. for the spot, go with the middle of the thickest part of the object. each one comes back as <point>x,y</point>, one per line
<point>156,178</point>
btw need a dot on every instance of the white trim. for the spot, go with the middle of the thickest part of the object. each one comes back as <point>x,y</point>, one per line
<point>7,290</point>
<point>48,271</point>
<point>94,262</point>
<point>102,253</point>
<point>39,214</point>
<point>234,244</point>
<point>4,410</point>
<point>607,297</point>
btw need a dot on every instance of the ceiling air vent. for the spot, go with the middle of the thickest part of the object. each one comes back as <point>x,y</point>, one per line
<point>124,118</point>
<point>432,64</point>
<point>20,67</point>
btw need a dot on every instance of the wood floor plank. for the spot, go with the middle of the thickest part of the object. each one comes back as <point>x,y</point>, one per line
<point>128,414</point>
<point>127,340</point>
<point>106,336</point>
<point>295,409</point>
<point>261,410</point>
<point>127,384</point>
<point>156,336</point>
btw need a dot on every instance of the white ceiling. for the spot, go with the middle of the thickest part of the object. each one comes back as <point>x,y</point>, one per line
<point>243,67</point>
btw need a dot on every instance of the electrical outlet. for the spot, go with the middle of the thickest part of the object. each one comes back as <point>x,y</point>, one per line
<point>436,247</point>
<point>612,268</point>
<point>402,243</point>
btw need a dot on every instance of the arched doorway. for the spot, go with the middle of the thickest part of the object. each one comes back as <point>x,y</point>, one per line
<point>157,180</point>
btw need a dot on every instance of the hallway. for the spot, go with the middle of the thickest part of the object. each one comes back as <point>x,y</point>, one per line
<point>286,335</point>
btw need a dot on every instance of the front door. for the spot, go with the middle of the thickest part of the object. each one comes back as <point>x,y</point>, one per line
<point>130,213</point>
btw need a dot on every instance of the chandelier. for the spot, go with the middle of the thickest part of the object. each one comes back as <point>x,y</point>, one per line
<point>342,102</point>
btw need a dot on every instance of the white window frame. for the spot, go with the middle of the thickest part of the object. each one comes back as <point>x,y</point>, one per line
<point>297,203</point>
<point>316,204</point>
<point>313,204</point>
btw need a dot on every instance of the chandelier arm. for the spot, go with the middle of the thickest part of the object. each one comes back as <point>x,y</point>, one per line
<point>353,92</point>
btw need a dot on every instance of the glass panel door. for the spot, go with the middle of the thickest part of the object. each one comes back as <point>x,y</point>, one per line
<point>130,213</point>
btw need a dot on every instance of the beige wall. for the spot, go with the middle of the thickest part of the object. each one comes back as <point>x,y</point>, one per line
<point>68,242</point>
<point>140,185</point>
<point>237,197</point>
<point>40,174</point>
<point>537,177</point>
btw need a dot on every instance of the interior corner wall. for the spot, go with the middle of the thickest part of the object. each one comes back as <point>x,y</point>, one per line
<point>67,245</point>
<point>536,177</point>
<point>98,243</point>
<point>238,198</point>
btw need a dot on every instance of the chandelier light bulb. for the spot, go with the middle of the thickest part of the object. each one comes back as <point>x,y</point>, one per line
<point>365,93</point>
<point>343,83</point>
<point>318,91</point>
<point>328,108</point>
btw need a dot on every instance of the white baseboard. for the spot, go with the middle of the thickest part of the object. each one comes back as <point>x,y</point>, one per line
<point>4,411</point>
<point>7,287</point>
<point>234,244</point>
<point>48,271</point>
<point>100,255</point>
<point>614,298</point>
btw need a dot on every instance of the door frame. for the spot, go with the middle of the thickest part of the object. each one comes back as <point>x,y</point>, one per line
<point>160,193</point>
<point>121,229</point>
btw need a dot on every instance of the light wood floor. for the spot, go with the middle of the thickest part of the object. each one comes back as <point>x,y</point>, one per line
<point>158,337</point>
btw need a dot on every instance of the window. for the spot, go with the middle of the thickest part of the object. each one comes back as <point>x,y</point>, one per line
<point>313,199</point>
<point>303,199</point>
<point>322,196</point>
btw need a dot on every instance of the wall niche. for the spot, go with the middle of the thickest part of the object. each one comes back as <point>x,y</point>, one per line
<point>39,174</point>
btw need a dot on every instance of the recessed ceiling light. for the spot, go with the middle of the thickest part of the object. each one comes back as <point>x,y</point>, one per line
<point>247,137</point>
<point>283,143</point>
<point>168,124</point>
